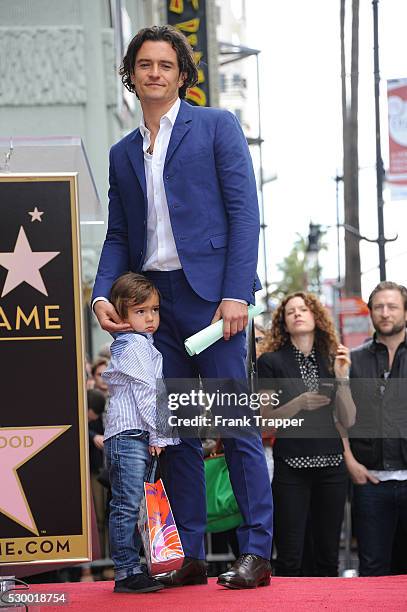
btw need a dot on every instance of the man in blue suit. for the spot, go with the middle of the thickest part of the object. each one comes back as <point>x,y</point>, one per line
<point>183,211</point>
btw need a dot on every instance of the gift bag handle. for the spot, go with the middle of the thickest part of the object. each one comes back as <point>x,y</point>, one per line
<point>151,468</point>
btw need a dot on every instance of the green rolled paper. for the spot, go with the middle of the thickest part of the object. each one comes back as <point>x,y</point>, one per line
<point>201,340</point>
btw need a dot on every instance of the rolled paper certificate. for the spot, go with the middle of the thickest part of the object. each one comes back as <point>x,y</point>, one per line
<point>201,340</point>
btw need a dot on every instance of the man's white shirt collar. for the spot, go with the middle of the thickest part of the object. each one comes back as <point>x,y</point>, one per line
<point>171,115</point>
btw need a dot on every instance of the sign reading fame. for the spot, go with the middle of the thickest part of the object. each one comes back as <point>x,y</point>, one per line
<point>44,505</point>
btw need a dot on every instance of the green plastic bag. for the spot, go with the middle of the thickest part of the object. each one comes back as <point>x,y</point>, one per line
<point>221,506</point>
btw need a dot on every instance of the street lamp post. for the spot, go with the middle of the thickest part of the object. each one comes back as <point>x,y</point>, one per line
<point>337,288</point>
<point>381,240</point>
<point>312,254</point>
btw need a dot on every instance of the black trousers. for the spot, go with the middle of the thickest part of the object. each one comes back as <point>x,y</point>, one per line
<point>301,493</point>
<point>378,509</point>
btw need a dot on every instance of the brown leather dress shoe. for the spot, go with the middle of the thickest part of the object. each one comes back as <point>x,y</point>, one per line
<point>193,571</point>
<point>248,572</point>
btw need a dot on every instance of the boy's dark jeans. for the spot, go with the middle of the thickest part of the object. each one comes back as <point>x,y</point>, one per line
<point>127,461</point>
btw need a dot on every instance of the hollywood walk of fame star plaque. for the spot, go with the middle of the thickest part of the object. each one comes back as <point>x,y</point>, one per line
<point>44,503</point>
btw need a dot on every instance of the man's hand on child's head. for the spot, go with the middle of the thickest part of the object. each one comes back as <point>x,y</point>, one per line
<point>108,318</point>
<point>155,450</point>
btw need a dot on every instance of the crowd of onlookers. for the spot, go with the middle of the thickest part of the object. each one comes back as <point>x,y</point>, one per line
<point>313,477</point>
<point>97,395</point>
<point>358,400</point>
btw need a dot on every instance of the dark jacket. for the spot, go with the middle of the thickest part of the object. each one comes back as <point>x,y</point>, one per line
<point>379,436</point>
<point>95,455</point>
<point>318,435</point>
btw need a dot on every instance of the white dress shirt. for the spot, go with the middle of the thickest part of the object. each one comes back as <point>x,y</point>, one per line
<point>161,251</point>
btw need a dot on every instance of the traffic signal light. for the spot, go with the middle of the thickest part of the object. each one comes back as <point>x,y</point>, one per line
<point>314,236</point>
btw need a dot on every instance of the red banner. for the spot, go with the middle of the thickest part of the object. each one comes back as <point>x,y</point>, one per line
<point>397,109</point>
<point>355,321</point>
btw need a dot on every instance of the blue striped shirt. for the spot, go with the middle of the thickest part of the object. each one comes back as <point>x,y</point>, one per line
<point>134,377</point>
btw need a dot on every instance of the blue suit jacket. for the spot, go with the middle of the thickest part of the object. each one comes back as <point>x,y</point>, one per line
<point>212,201</point>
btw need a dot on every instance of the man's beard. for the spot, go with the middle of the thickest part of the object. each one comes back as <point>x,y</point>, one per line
<point>393,331</point>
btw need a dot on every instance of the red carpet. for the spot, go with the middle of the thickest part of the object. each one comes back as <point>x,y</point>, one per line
<point>291,594</point>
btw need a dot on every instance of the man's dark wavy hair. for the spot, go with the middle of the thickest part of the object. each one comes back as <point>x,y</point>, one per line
<point>178,42</point>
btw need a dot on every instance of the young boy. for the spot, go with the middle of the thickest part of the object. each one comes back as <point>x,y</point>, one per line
<point>131,434</point>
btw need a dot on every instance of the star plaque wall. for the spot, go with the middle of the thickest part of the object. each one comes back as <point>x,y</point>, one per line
<point>44,505</point>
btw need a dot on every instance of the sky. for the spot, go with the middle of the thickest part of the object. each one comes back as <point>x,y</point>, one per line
<point>302,125</point>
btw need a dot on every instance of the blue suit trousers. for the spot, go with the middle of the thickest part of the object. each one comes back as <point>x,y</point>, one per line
<point>183,313</point>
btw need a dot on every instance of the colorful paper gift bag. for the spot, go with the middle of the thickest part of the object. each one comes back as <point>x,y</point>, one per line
<point>158,531</point>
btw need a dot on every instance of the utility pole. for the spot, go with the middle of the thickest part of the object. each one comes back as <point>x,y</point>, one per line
<point>352,285</point>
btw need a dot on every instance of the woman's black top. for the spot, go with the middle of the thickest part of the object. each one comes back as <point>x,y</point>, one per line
<point>291,373</point>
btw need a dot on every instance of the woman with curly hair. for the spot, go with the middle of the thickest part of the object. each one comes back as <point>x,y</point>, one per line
<point>304,363</point>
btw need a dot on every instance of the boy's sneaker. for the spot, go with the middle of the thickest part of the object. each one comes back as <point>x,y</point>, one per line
<point>139,583</point>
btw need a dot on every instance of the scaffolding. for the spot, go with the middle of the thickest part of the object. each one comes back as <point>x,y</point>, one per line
<point>229,53</point>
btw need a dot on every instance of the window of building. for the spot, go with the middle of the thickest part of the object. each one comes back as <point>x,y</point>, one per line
<point>238,114</point>
<point>236,79</point>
